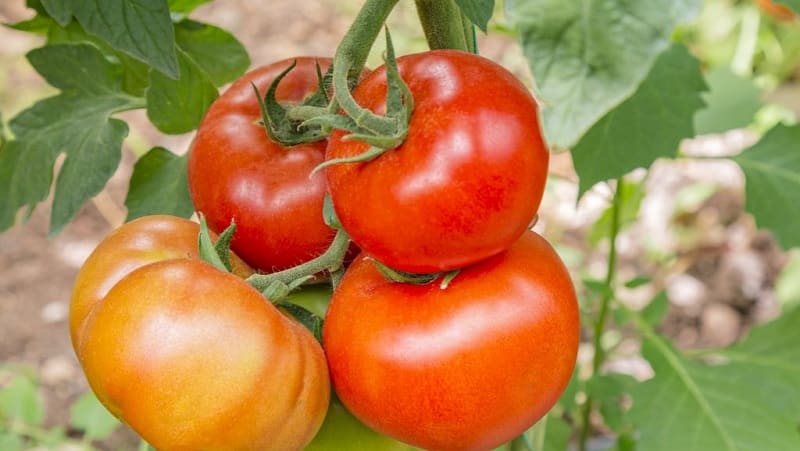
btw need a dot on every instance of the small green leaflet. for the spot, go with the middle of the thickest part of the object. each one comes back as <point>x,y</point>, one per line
<point>76,122</point>
<point>692,406</point>
<point>732,102</point>
<point>178,106</point>
<point>772,187</point>
<point>141,28</point>
<point>587,57</point>
<point>159,185</point>
<point>477,11</point>
<point>185,6</point>
<point>217,52</point>
<point>632,196</point>
<point>794,4</point>
<point>88,415</point>
<point>648,125</point>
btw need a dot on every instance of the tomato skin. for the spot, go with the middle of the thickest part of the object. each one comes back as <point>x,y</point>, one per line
<point>237,173</point>
<point>140,242</point>
<point>468,367</point>
<point>466,182</point>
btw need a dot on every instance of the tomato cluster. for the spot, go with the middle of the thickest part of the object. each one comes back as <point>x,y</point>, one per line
<point>192,356</point>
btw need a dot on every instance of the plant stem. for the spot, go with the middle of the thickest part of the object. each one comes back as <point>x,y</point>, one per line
<point>331,260</point>
<point>605,302</point>
<point>444,25</point>
<point>350,58</point>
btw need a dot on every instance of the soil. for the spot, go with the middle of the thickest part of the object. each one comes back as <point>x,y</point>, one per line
<point>720,285</point>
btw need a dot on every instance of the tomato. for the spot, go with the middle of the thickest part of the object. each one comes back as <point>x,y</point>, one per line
<point>469,367</point>
<point>191,357</point>
<point>237,173</point>
<point>776,10</point>
<point>467,180</point>
<point>140,242</point>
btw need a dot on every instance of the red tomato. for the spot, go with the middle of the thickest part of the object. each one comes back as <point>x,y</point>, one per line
<point>140,242</point>
<point>237,173</point>
<point>468,367</point>
<point>466,182</point>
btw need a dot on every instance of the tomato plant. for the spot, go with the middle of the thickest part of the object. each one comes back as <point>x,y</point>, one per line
<point>237,173</point>
<point>189,356</point>
<point>467,180</point>
<point>467,367</point>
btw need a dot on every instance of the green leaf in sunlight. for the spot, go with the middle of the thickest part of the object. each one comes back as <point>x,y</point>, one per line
<point>88,415</point>
<point>586,57</point>
<point>647,126</point>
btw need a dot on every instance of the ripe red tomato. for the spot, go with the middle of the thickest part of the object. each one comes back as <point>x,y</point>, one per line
<point>140,242</point>
<point>191,357</point>
<point>466,182</point>
<point>237,173</point>
<point>468,367</point>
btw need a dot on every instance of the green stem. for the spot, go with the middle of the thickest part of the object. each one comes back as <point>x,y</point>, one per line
<point>605,302</point>
<point>444,25</point>
<point>350,58</point>
<point>331,261</point>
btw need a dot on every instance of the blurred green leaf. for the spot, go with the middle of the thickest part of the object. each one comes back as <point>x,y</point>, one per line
<point>647,126</point>
<point>768,359</point>
<point>88,415</point>
<point>20,400</point>
<point>141,28</point>
<point>608,391</point>
<point>632,195</point>
<point>159,185</point>
<point>185,6</point>
<point>217,52</point>
<point>587,57</point>
<point>478,11</point>
<point>656,310</point>
<point>10,442</point>
<point>787,286</point>
<point>692,406</point>
<point>76,122</point>
<point>178,106</point>
<point>772,187</point>
<point>732,102</point>
<point>794,4</point>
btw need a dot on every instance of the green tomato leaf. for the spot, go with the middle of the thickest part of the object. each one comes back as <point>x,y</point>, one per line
<point>608,390</point>
<point>772,188</point>
<point>691,406</point>
<point>159,185</point>
<point>178,106</point>
<point>20,400</point>
<point>648,125</point>
<point>656,310</point>
<point>770,356</point>
<point>587,57</point>
<point>77,123</point>
<point>787,286</point>
<point>213,49</point>
<point>185,6</point>
<point>477,11</point>
<point>141,28</point>
<point>88,415</point>
<point>732,102</point>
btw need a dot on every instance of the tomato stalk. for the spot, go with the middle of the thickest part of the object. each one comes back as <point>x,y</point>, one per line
<point>445,26</point>
<point>608,294</point>
<point>331,260</point>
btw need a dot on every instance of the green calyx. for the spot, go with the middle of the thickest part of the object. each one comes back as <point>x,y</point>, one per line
<point>290,126</point>
<point>218,255</point>
<point>414,278</point>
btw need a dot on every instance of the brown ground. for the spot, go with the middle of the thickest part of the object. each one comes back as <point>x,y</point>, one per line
<point>721,283</point>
